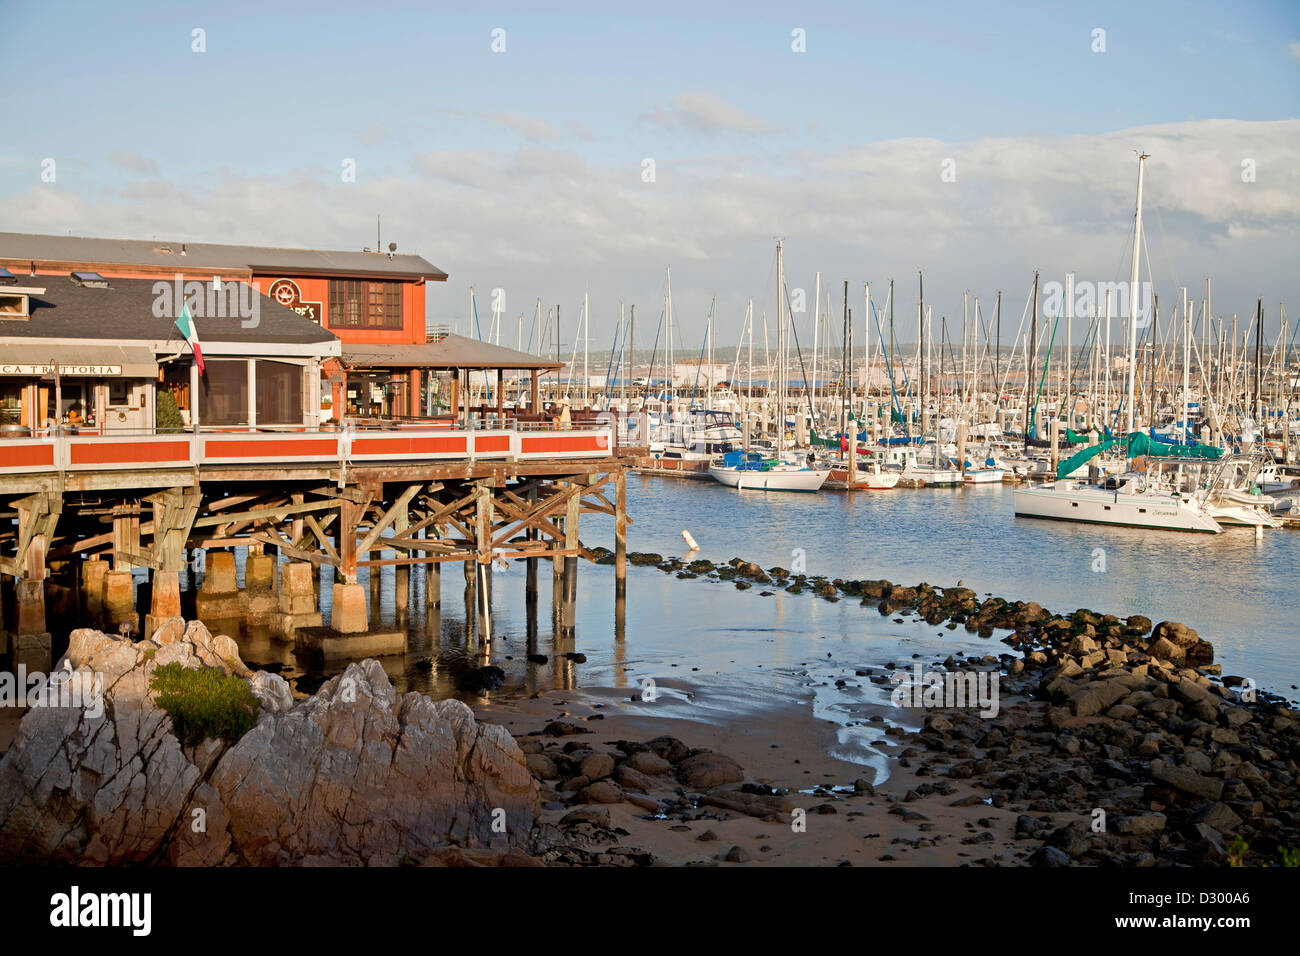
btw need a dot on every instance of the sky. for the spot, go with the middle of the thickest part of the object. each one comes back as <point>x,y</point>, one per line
<point>552,150</point>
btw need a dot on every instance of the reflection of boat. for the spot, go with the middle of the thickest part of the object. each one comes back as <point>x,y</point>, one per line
<point>750,470</point>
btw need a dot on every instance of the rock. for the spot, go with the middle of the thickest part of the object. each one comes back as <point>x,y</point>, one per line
<point>602,791</point>
<point>1179,635</point>
<point>708,770</point>
<point>643,802</point>
<point>1165,650</point>
<point>596,766</point>
<point>562,728</point>
<point>1049,856</point>
<point>649,763</point>
<point>353,775</point>
<point>541,766</point>
<point>630,779</point>
<point>750,804</point>
<point>1142,825</point>
<point>1186,780</point>
<point>481,679</point>
<point>1220,817</point>
<point>737,855</point>
<point>669,748</point>
<point>455,856</point>
<point>597,815</point>
<point>707,836</point>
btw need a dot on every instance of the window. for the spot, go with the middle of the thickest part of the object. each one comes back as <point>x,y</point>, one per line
<point>360,304</point>
<point>279,393</point>
<point>223,393</point>
<point>11,403</point>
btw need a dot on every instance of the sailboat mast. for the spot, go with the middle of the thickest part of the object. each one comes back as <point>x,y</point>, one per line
<point>780,350</point>
<point>1132,297</point>
<point>1030,358</point>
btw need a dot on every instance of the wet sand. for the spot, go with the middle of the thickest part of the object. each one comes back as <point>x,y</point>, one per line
<point>785,747</point>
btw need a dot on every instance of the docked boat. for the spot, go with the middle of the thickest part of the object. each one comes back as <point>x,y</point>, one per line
<point>1234,497</point>
<point>1133,499</point>
<point>1120,500</point>
<point>754,470</point>
<point>871,476</point>
<point>983,476</point>
<point>751,471</point>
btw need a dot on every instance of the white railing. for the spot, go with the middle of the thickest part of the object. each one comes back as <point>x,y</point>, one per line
<point>82,453</point>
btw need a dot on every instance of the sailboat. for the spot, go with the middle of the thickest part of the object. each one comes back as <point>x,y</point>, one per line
<point>1132,499</point>
<point>743,469</point>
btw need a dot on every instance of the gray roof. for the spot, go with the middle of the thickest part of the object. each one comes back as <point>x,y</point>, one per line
<point>453,351</point>
<point>125,310</point>
<point>197,256</point>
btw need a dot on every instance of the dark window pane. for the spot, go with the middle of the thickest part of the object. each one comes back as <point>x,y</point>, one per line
<point>223,393</point>
<point>279,393</point>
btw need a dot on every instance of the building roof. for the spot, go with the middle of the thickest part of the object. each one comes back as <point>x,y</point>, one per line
<point>126,311</point>
<point>453,351</point>
<point>23,248</point>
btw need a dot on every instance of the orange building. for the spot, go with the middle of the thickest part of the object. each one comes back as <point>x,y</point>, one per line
<point>363,298</point>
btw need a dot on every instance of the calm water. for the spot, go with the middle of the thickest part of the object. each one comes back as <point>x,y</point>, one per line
<point>712,650</point>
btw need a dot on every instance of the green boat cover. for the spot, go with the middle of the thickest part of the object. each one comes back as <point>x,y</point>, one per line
<point>1139,444</point>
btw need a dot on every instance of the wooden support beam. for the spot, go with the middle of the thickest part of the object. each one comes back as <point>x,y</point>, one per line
<point>398,507</point>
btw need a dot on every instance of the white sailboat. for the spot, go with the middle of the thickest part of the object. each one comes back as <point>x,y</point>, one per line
<point>750,470</point>
<point>1128,499</point>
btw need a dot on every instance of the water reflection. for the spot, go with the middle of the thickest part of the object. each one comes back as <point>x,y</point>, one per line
<point>746,648</point>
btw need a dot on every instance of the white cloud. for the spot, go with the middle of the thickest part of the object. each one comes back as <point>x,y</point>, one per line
<point>545,221</point>
<point>704,112</point>
<point>529,128</point>
<point>135,163</point>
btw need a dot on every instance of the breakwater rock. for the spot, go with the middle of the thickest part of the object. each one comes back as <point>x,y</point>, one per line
<point>1118,740</point>
<point>353,775</point>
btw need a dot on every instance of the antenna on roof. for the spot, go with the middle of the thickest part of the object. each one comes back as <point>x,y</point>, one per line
<point>379,246</point>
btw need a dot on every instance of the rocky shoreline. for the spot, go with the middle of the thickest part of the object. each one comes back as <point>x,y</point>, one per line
<point>1122,742</point>
<point>1116,742</point>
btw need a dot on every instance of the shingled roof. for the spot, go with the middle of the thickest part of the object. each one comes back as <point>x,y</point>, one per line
<point>452,351</point>
<point>125,311</point>
<point>22,248</point>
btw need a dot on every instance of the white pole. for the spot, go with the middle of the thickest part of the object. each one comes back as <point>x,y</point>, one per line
<point>1133,298</point>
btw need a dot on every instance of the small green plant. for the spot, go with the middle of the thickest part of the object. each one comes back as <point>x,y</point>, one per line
<point>204,702</point>
<point>1237,851</point>
<point>167,416</point>
<point>1290,858</point>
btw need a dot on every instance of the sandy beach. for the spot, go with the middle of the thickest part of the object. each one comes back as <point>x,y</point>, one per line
<point>784,748</point>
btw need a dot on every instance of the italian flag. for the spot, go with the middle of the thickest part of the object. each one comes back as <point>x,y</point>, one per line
<point>186,324</point>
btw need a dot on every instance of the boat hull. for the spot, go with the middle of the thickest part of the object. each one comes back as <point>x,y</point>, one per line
<point>1091,505</point>
<point>982,476</point>
<point>805,479</point>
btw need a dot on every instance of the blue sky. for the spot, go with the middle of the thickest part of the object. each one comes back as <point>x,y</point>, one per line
<point>522,169</point>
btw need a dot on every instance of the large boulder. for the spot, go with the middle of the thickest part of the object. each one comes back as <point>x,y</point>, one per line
<point>352,775</point>
<point>708,770</point>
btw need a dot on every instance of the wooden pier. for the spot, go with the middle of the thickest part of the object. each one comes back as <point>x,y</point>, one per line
<point>90,509</point>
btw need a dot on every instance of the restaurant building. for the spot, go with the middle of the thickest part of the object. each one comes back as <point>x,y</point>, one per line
<point>89,354</point>
<point>362,298</point>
